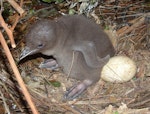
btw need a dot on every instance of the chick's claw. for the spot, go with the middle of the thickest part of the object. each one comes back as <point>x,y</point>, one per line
<point>50,64</point>
<point>77,90</point>
<point>74,91</point>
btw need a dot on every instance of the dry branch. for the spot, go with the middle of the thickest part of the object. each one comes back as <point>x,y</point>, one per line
<point>16,7</point>
<point>17,74</point>
<point>126,30</point>
<point>4,101</point>
<point>129,29</point>
<point>17,17</point>
<point>8,31</point>
<point>4,25</point>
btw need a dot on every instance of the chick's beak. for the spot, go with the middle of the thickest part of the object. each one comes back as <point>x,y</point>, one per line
<point>27,51</point>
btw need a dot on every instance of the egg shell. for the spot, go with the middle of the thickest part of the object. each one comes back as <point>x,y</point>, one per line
<point>119,69</point>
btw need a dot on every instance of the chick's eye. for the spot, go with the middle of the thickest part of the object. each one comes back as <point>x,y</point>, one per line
<point>40,45</point>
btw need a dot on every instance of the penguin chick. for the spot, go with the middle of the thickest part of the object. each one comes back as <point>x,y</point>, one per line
<point>71,39</point>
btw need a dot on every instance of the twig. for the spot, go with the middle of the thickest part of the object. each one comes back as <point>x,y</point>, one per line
<point>133,15</point>
<point>11,96</point>
<point>17,18</point>
<point>70,109</point>
<point>4,25</point>
<point>93,102</point>
<point>8,31</point>
<point>71,64</point>
<point>36,12</point>
<point>1,3</point>
<point>7,81</point>
<point>4,101</point>
<point>21,3</point>
<point>15,23</point>
<point>16,7</point>
<point>140,103</point>
<point>17,74</point>
<point>132,27</point>
<point>135,25</point>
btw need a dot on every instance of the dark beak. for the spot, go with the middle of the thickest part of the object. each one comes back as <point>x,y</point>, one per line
<point>27,51</point>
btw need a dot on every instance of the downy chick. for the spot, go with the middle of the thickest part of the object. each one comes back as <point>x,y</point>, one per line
<point>71,39</point>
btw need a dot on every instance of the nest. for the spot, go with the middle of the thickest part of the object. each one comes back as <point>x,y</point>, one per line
<point>127,23</point>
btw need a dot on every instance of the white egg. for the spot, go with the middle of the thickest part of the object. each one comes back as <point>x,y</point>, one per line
<point>119,69</point>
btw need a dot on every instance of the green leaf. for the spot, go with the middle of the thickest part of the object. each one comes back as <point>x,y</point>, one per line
<point>106,27</point>
<point>31,12</point>
<point>48,1</point>
<point>116,112</point>
<point>55,83</point>
<point>56,1</point>
<point>71,11</point>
